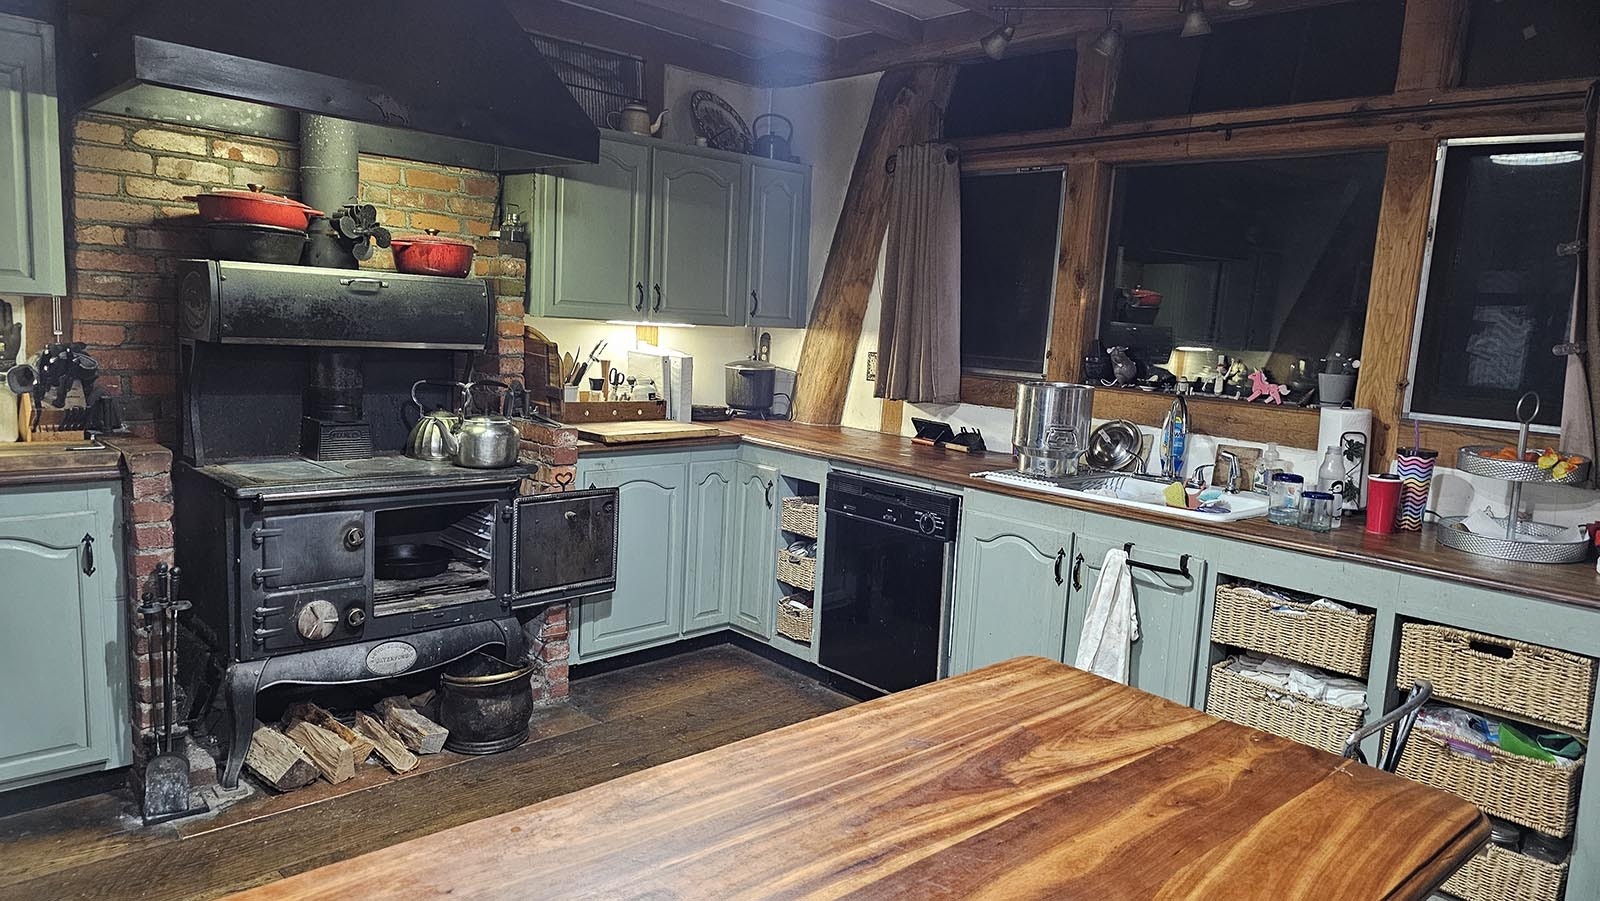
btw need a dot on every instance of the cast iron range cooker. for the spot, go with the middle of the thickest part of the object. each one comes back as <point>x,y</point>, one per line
<point>281,553</point>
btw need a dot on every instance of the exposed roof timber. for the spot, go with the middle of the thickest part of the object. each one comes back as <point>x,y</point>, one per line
<point>741,42</point>
<point>597,29</point>
<point>982,8</point>
<point>728,17</point>
<point>874,17</point>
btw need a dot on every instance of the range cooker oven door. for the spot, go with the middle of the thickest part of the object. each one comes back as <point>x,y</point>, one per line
<point>566,546</point>
<point>302,574</point>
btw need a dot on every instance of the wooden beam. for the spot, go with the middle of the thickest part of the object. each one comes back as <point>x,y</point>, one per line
<point>1080,268</point>
<point>1094,86</point>
<point>874,17</point>
<point>1392,295</point>
<point>741,42</point>
<point>597,29</point>
<point>981,8</point>
<point>726,18</point>
<point>908,107</point>
<point>1431,44</point>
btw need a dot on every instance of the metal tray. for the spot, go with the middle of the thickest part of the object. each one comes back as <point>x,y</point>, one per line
<point>1460,539</point>
<point>1474,459</point>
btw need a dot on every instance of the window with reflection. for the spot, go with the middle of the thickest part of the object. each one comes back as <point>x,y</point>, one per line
<point>1265,262</point>
<point>1516,41</point>
<point>1010,227</point>
<point>1498,295</point>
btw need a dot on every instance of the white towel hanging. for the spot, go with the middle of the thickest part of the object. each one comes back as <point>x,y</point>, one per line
<point>1111,623</point>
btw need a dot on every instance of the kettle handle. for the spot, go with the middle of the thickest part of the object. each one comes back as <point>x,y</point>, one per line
<point>756,124</point>
<point>487,383</point>
<point>437,383</point>
<point>613,118</point>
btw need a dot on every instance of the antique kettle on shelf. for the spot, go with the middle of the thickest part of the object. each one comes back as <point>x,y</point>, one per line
<point>634,118</point>
<point>772,145</point>
<point>432,437</point>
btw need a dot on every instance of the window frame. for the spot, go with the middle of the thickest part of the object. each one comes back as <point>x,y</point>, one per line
<point>1005,375</point>
<point>1440,154</point>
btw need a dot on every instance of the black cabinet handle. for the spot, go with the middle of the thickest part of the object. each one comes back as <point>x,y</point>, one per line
<point>769,495</point>
<point>657,307</point>
<point>639,307</point>
<point>88,554</point>
<point>1061,555</point>
<point>1077,573</point>
<point>755,302</point>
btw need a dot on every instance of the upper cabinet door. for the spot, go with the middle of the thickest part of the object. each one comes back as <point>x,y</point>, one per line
<point>32,254</point>
<point>696,275</point>
<point>598,237</point>
<point>780,245</point>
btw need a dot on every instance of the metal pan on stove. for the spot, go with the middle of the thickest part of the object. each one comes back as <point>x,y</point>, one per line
<point>407,560</point>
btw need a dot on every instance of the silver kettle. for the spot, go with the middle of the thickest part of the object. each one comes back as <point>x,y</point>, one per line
<point>485,440</point>
<point>433,437</point>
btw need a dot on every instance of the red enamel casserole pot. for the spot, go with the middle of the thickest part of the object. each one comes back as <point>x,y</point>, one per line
<point>432,254</point>
<point>254,207</point>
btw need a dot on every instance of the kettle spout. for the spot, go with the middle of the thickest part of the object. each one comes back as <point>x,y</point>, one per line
<point>451,439</point>
<point>655,127</point>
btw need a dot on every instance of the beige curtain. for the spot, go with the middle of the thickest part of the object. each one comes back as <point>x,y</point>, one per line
<point>919,333</point>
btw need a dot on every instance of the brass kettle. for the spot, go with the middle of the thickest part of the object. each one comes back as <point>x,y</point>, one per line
<point>433,438</point>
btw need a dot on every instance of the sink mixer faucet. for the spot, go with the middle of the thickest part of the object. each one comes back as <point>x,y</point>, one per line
<point>1232,460</point>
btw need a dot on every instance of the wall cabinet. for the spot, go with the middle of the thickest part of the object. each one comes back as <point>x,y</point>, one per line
<point>714,545</point>
<point>1011,592</point>
<point>754,606</point>
<point>652,533</point>
<point>669,233</point>
<point>63,652</point>
<point>32,243</point>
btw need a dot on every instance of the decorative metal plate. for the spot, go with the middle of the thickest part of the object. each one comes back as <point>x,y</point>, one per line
<point>1476,460</point>
<point>1452,535</point>
<point>719,123</point>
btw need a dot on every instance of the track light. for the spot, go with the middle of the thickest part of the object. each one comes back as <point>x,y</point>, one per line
<point>1109,43</point>
<point>1195,22</point>
<point>994,43</point>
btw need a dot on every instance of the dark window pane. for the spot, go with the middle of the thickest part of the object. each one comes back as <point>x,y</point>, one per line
<point>1009,233</point>
<point>1515,41</point>
<point>1498,297</point>
<point>1022,93</point>
<point>1294,57</point>
<point>1265,261</point>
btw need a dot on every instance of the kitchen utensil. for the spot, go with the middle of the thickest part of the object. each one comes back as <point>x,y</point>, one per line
<point>410,560</point>
<point>431,437</point>
<point>749,385</point>
<point>1052,427</point>
<point>719,123</point>
<point>255,207</point>
<point>254,243</point>
<point>616,380</point>
<point>1113,445</point>
<point>166,776</point>
<point>605,377</point>
<point>772,145</point>
<point>432,254</point>
<point>1383,503</point>
<point>567,365</point>
<point>485,440</point>
<point>634,118</point>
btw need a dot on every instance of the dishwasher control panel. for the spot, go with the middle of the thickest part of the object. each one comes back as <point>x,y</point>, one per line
<point>933,514</point>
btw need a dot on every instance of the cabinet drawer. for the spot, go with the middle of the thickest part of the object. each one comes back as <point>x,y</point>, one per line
<point>1527,680</point>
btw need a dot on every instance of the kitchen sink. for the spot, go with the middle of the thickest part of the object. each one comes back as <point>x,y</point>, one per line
<point>1124,489</point>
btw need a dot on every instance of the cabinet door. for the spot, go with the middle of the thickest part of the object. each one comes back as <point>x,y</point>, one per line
<point>1163,659</point>
<point>647,606</point>
<point>779,244</point>
<point>597,224</point>
<point>32,254</point>
<point>62,652</point>
<point>755,605</point>
<point>695,271</point>
<point>1011,593</point>
<point>713,545</point>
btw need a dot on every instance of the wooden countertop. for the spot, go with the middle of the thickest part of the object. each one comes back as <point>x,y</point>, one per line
<point>48,463</point>
<point>1024,779</point>
<point>1410,552</point>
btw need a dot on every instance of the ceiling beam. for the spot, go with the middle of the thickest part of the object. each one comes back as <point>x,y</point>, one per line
<point>983,8</point>
<point>656,17</point>
<point>787,35</point>
<point>874,17</point>
<point>597,29</point>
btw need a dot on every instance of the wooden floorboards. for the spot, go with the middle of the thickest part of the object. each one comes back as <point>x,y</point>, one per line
<point>617,722</point>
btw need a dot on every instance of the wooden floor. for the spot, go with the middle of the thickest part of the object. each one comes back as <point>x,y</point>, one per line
<point>616,723</point>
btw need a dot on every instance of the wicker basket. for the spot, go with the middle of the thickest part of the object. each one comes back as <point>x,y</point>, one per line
<point>799,516</point>
<point>1529,792</point>
<point>1246,618</point>
<point>795,624</point>
<point>1283,713</point>
<point>801,572</point>
<point>1523,679</point>
<point>1499,873</point>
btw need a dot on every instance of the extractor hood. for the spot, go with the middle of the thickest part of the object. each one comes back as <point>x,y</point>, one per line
<point>446,82</point>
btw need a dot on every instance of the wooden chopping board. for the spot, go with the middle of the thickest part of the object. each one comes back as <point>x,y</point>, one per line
<point>638,432</point>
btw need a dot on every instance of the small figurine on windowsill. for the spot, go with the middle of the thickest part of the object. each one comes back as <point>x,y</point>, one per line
<point>1260,387</point>
<point>1124,370</point>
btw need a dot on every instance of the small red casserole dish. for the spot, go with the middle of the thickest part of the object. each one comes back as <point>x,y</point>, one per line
<point>432,254</point>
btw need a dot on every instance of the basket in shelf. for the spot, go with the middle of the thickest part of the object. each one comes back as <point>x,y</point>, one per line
<point>1500,873</point>
<point>794,619</point>
<point>1246,617</point>
<point>1522,679</point>
<point>800,572</point>
<point>1285,714</point>
<point>799,515</point>
<point>1532,793</point>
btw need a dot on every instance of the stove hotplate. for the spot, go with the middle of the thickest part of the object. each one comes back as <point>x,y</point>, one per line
<point>274,475</point>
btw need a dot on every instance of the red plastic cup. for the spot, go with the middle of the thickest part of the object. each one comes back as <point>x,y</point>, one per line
<point>1383,503</point>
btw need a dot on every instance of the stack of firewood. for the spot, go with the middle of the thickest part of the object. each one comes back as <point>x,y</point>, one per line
<point>310,742</point>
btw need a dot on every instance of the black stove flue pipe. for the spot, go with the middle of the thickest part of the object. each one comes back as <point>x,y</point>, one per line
<point>329,155</point>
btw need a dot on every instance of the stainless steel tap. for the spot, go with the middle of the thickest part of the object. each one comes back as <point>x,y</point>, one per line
<point>1232,460</point>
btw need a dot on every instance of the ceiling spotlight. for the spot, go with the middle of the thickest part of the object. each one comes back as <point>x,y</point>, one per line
<point>1195,23</point>
<point>1109,43</point>
<point>994,43</point>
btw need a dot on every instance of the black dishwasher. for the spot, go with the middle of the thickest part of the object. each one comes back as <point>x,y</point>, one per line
<point>888,561</point>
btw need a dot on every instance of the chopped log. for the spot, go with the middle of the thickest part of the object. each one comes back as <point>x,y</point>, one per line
<point>415,731</point>
<point>390,703</point>
<point>332,756</point>
<point>388,748</point>
<point>278,761</point>
<point>360,746</point>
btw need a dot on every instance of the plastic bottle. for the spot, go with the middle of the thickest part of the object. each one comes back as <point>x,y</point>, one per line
<point>1330,478</point>
<point>1269,466</point>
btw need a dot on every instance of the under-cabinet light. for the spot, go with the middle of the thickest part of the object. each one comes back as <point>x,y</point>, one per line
<point>1546,158</point>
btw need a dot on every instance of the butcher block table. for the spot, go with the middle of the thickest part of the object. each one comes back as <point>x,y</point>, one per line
<point>1023,779</point>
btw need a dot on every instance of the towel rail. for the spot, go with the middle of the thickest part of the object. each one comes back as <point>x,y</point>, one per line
<point>1182,569</point>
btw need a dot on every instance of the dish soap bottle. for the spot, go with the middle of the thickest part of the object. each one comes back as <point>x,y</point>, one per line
<point>1330,478</point>
<point>1269,466</point>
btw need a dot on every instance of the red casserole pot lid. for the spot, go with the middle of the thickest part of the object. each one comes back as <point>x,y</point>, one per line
<point>259,196</point>
<point>431,237</point>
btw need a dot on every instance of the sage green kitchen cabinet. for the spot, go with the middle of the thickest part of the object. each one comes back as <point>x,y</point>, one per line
<point>713,546</point>
<point>1011,592</point>
<point>594,243</point>
<point>63,651</point>
<point>779,245</point>
<point>695,267</point>
<point>652,533</point>
<point>1162,661</point>
<point>755,605</point>
<point>32,244</point>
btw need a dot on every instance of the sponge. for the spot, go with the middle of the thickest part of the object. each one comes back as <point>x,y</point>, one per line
<point>1176,496</point>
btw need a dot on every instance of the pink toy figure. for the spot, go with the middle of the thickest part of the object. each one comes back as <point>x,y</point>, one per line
<point>1260,387</point>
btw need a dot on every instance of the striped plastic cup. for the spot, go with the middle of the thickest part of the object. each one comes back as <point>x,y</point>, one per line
<point>1414,465</point>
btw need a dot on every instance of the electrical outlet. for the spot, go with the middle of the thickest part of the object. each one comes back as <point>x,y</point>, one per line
<point>872,366</point>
